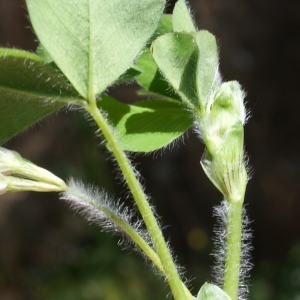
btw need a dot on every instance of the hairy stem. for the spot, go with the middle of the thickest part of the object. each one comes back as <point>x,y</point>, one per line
<point>233,249</point>
<point>141,201</point>
<point>87,201</point>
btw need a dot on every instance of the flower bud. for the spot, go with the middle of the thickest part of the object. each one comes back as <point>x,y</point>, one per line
<point>223,111</point>
<point>11,162</point>
<point>226,168</point>
<point>27,176</point>
<point>223,134</point>
<point>17,184</point>
<point>7,160</point>
<point>3,184</point>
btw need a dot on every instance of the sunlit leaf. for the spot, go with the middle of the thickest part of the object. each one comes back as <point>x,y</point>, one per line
<point>208,65</point>
<point>153,83</point>
<point>147,125</point>
<point>151,79</point>
<point>43,54</point>
<point>176,55</point>
<point>182,20</point>
<point>165,26</point>
<point>94,42</point>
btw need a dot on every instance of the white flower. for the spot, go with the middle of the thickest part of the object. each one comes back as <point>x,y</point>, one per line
<point>17,184</point>
<point>19,174</point>
<point>7,160</point>
<point>3,184</point>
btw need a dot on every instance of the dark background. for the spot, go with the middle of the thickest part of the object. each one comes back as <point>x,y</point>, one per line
<point>47,252</point>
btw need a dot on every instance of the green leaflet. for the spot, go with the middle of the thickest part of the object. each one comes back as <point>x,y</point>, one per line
<point>129,75</point>
<point>182,20</point>
<point>151,80</point>
<point>207,67</point>
<point>147,125</point>
<point>165,26</point>
<point>94,42</point>
<point>176,56</point>
<point>211,292</point>
<point>29,91</point>
<point>43,54</point>
<point>153,83</point>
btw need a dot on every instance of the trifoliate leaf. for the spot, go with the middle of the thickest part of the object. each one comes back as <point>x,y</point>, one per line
<point>94,42</point>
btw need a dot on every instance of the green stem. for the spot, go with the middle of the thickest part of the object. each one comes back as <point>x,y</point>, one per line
<point>141,201</point>
<point>233,249</point>
<point>126,227</point>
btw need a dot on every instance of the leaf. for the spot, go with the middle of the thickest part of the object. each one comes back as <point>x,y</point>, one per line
<point>43,54</point>
<point>208,65</point>
<point>151,79</point>
<point>29,91</point>
<point>165,26</point>
<point>94,42</point>
<point>212,292</point>
<point>176,55</point>
<point>129,75</point>
<point>147,125</point>
<point>182,20</point>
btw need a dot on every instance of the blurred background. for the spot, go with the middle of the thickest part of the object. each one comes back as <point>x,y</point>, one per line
<point>48,252</point>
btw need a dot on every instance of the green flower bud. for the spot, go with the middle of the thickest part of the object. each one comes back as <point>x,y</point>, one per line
<point>223,134</point>
<point>223,111</point>
<point>225,167</point>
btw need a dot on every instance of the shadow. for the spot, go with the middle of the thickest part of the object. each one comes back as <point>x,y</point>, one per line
<point>167,117</point>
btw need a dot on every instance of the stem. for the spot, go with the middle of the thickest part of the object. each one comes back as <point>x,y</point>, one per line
<point>141,201</point>
<point>233,249</point>
<point>88,201</point>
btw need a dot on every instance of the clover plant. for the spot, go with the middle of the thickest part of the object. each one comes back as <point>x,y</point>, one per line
<point>87,46</point>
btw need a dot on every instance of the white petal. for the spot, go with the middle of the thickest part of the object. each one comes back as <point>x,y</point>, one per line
<point>3,184</point>
<point>4,169</point>
<point>5,153</point>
